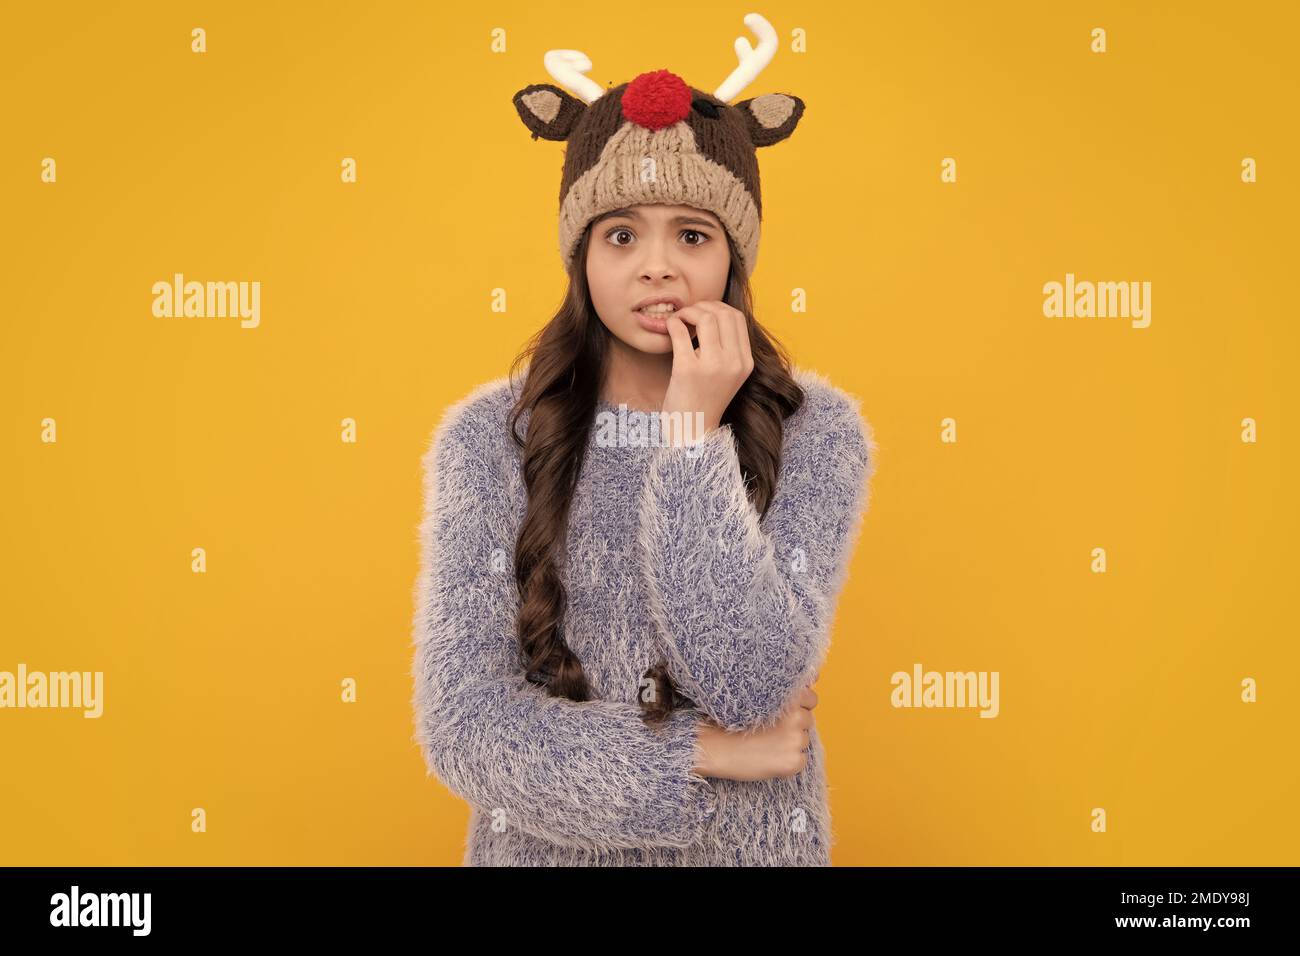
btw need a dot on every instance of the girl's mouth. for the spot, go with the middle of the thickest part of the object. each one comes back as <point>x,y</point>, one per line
<point>658,309</point>
<point>656,322</point>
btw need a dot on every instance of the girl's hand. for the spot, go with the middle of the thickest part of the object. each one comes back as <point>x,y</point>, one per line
<point>705,380</point>
<point>777,751</point>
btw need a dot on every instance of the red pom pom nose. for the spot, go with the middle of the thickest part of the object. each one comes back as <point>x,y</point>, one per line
<point>657,99</point>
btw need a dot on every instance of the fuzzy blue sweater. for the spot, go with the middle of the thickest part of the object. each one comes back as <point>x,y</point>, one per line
<point>666,561</point>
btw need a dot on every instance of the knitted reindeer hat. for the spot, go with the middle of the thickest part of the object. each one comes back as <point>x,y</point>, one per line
<point>658,140</point>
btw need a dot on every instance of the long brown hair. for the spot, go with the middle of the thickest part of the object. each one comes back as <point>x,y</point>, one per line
<point>565,368</point>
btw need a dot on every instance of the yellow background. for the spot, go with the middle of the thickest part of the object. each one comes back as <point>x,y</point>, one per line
<point>1119,690</point>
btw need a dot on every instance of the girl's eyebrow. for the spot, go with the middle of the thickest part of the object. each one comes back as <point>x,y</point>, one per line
<point>676,220</point>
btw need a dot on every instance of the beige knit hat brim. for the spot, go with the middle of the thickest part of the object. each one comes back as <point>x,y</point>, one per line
<point>641,166</point>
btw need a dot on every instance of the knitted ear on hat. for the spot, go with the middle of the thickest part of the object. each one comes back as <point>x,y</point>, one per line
<point>548,111</point>
<point>656,139</point>
<point>771,117</point>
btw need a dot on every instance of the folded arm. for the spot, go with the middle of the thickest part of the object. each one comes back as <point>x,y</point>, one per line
<point>575,773</point>
<point>743,607</point>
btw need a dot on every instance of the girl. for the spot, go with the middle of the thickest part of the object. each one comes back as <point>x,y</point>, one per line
<point>629,562</point>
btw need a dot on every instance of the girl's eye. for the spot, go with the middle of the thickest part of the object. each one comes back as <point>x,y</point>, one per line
<point>621,230</point>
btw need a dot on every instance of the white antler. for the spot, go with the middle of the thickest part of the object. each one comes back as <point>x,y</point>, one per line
<point>567,67</point>
<point>751,61</point>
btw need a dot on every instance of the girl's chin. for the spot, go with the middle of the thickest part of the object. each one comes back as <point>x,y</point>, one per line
<point>652,343</point>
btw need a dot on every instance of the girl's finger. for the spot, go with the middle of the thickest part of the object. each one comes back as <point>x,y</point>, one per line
<point>683,351</point>
<point>739,334</point>
<point>746,350</point>
<point>726,328</point>
<point>706,329</point>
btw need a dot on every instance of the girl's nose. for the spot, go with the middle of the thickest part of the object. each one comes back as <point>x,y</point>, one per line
<point>657,99</point>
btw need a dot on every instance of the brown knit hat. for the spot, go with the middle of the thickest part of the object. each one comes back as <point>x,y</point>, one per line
<point>658,140</point>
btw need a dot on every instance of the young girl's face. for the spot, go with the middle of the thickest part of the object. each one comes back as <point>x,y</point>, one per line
<point>651,251</point>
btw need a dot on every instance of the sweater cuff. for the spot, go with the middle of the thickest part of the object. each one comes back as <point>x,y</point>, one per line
<point>701,796</point>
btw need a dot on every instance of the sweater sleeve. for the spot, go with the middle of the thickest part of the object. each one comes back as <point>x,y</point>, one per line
<point>587,774</point>
<point>743,606</point>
